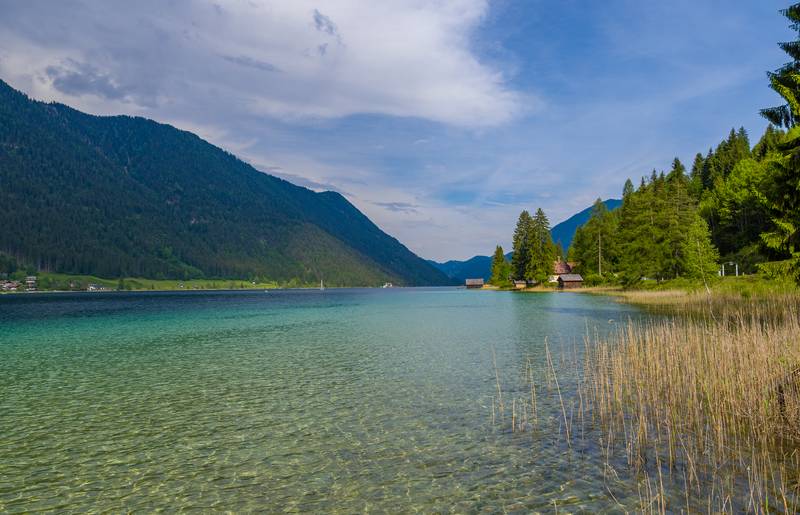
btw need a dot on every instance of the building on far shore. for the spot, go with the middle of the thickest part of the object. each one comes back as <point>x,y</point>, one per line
<point>474,283</point>
<point>569,281</point>
<point>30,283</point>
<point>9,285</point>
<point>520,285</point>
<point>560,268</point>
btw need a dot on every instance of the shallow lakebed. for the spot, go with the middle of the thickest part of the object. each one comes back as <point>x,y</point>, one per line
<point>337,400</point>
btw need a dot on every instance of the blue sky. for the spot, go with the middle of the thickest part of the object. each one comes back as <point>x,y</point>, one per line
<point>441,120</point>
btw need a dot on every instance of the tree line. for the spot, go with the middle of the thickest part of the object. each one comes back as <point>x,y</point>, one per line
<point>657,233</point>
<point>737,204</point>
<point>533,252</point>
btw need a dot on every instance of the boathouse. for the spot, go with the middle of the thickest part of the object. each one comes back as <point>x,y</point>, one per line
<point>568,281</point>
<point>474,283</point>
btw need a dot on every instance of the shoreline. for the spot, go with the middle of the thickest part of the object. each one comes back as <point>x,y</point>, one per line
<point>190,290</point>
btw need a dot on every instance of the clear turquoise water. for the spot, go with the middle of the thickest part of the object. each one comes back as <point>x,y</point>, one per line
<point>343,400</point>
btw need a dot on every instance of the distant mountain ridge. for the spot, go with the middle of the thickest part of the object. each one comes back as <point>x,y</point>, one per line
<point>480,266</point>
<point>117,196</point>
<point>565,231</point>
<point>473,268</point>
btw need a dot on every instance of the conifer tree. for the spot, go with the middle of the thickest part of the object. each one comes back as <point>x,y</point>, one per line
<point>768,144</point>
<point>541,249</point>
<point>696,176</point>
<point>783,185</point>
<point>678,170</point>
<point>521,245</point>
<point>501,268</point>
<point>627,190</point>
<point>680,210</point>
<point>705,174</point>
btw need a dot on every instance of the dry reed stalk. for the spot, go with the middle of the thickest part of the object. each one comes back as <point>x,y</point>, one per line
<point>497,381</point>
<point>558,389</point>
<point>529,371</point>
<point>718,397</point>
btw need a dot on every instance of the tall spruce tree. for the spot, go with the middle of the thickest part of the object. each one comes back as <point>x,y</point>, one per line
<point>680,209</point>
<point>783,185</point>
<point>696,176</point>
<point>501,268</point>
<point>627,190</point>
<point>521,245</point>
<point>542,251</point>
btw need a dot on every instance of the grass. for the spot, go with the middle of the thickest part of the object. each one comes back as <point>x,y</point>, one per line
<point>47,281</point>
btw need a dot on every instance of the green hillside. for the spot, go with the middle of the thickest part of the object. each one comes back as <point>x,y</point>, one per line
<point>121,196</point>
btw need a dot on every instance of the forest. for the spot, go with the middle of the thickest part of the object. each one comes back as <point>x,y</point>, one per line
<point>738,205</point>
<point>726,210</point>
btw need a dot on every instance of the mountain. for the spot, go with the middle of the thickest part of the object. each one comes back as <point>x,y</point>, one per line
<point>565,231</point>
<point>480,266</point>
<point>124,196</point>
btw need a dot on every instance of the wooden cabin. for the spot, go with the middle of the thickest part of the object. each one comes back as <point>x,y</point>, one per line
<point>474,283</point>
<point>520,285</point>
<point>560,268</point>
<point>569,281</point>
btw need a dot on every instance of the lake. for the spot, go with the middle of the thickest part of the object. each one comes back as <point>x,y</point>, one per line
<point>300,400</point>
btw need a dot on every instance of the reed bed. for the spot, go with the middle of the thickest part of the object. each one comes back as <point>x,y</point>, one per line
<point>719,305</point>
<point>706,403</point>
<point>713,395</point>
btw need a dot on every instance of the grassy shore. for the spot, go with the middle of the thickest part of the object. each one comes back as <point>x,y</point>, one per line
<point>65,282</point>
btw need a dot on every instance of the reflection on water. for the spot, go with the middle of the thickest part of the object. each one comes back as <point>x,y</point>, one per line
<point>345,400</point>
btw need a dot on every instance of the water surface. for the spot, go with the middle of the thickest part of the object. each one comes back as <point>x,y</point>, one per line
<point>342,400</point>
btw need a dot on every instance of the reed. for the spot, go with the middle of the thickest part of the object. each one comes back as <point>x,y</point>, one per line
<point>713,395</point>
<point>700,409</point>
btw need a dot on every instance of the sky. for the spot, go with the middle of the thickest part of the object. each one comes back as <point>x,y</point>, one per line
<point>439,119</point>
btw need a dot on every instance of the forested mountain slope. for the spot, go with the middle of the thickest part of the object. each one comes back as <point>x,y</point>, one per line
<point>122,196</point>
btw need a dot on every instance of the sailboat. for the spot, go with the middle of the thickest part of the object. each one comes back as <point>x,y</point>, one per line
<point>321,285</point>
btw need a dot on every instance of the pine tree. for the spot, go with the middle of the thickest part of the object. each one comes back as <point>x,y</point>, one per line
<point>768,144</point>
<point>501,268</point>
<point>541,249</point>
<point>678,170</point>
<point>705,174</point>
<point>783,185</point>
<point>696,176</point>
<point>521,245</point>
<point>680,210</point>
<point>627,190</point>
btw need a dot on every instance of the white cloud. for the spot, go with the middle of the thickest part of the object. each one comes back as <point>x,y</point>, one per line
<point>295,60</point>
